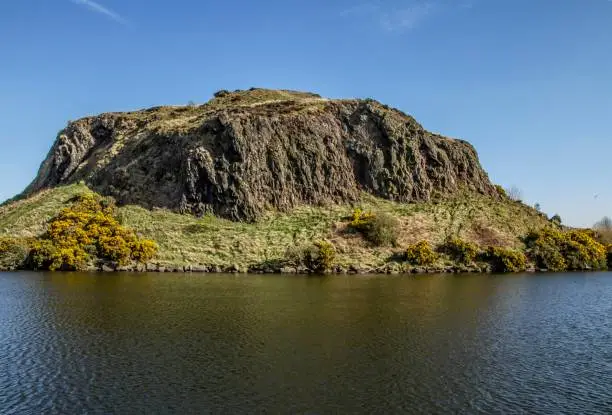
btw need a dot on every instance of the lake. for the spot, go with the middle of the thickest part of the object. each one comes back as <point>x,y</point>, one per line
<point>160,343</point>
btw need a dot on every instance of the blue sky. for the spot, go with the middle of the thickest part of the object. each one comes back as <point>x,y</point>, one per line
<point>528,82</point>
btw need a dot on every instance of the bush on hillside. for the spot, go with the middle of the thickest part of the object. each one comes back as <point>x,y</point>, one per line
<point>556,219</point>
<point>13,253</point>
<point>582,250</point>
<point>547,255</point>
<point>506,260</point>
<point>557,250</point>
<point>221,93</point>
<point>379,229</point>
<point>317,257</point>
<point>461,251</point>
<point>515,194</point>
<point>86,231</point>
<point>603,231</point>
<point>501,191</point>
<point>421,253</point>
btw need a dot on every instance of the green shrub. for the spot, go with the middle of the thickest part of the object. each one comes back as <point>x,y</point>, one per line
<point>556,219</point>
<point>421,254</point>
<point>294,255</point>
<point>547,255</point>
<point>506,260</point>
<point>556,250</point>
<point>221,93</point>
<point>461,251</point>
<point>501,191</point>
<point>320,256</point>
<point>317,257</point>
<point>379,229</point>
<point>609,256</point>
<point>13,253</point>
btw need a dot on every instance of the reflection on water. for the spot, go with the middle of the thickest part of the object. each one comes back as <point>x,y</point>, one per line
<point>151,343</point>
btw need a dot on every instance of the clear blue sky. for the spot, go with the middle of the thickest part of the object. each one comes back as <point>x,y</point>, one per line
<point>528,82</point>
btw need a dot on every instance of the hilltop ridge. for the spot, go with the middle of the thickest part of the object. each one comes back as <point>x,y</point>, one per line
<point>247,152</point>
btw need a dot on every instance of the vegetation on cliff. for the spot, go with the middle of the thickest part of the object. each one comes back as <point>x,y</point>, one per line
<point>268,180</point>
<point>505,260</point>
<point>247,152</point>
<point>557,250</point>
<point>81,235</point>
<point>421,253</point>
<point>213,243</point>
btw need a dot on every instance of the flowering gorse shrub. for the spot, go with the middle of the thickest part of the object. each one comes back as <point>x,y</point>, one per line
<point>459,250</point>
<point>13,253</point>
<point>506,260</point>
<point>379,229</point>
<point>558,250</point>
<point>421,253</point>
<point>86,231</point>
<point>318,256</point>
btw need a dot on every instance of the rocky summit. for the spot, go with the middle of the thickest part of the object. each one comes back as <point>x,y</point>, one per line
<point>246,152</point>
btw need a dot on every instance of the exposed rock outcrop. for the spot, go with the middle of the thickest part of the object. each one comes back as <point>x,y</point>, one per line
<point>249,151</point>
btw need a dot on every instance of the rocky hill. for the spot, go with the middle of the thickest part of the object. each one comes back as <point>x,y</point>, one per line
<point>248,152</point>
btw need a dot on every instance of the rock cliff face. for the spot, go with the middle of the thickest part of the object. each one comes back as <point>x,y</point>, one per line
<point>246,152</point>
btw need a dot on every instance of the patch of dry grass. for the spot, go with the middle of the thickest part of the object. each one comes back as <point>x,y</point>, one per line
<point>29,217</point>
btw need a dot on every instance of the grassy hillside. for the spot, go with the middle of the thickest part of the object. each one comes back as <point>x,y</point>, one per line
<point>184,239</point>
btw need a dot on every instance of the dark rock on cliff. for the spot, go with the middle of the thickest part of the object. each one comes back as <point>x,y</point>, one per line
<point>249,151</point>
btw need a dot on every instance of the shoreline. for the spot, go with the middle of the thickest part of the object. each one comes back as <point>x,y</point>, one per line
<point>400,269</point>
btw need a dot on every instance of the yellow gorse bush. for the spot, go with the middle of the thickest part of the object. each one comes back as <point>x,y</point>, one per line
<point>461,251</point>
<point>13,252</point>
<point>321,258</point>
<point>317,257</point>
<point>506,260</point>
<point>360,218</point>
<point>85,231</point>
<point>421,253</point>
<point>379,229</point>
<point>557,250</point>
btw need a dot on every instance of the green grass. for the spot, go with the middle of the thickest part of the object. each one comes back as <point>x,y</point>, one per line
<point>258,96</point>
<point>29,217</point>
<point>185,239</point>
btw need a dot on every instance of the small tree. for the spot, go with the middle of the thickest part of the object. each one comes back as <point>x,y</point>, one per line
<point>605,224</point>
<point>556,219</point>
<point>603,230</point>
<point>514,193</point>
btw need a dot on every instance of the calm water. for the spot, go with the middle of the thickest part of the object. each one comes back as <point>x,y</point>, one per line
<point>151,343</point>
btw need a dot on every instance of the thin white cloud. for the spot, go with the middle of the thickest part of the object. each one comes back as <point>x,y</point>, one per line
<point>405,16</point>
<point>98,8</point>
<point>360,9</point>
<point>408,17</point>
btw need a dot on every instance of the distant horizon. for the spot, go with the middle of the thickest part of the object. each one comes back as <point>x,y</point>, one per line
<point>533,98</point>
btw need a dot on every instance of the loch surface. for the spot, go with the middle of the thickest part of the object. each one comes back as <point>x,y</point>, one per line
<point>173,343</point>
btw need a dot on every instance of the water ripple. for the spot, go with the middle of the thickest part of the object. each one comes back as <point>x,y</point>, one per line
<point>83,343</point>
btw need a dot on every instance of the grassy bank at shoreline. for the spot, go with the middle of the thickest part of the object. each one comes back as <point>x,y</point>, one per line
<point>213,244</point>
